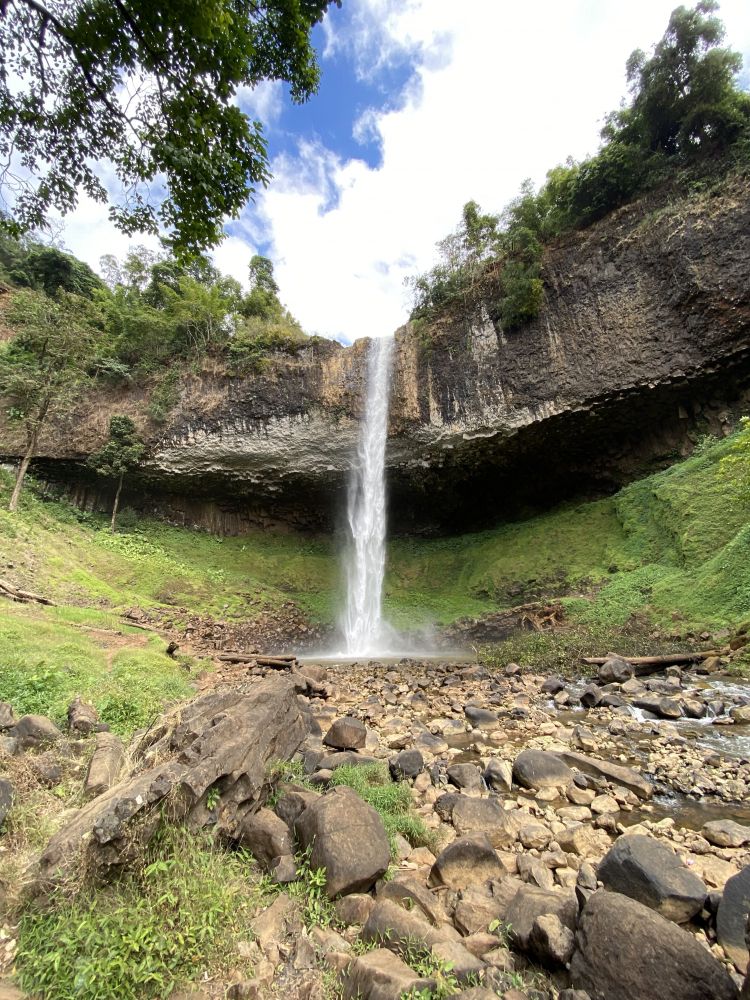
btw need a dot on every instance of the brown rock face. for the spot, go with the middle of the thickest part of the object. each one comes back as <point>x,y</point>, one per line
<point>643,331</point>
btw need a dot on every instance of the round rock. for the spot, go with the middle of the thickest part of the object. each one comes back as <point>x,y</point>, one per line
<point>407,764</point>
<point>465,776</point>
<point>468,860</point>
<point>537,769</point>
<point>346,734</point>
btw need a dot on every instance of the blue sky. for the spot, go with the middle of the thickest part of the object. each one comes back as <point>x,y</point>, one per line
<point>423,105</point>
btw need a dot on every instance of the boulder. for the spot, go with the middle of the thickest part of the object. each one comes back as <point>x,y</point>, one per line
<point>498,775</point>
<point>444,805</point>
<point>552,685</point>
<point>645,870</point>
<point>354,909</point>
<point>314,672</point>
<point>33,731</point>
<point>726,833</point>
<point>105,765</point>
<point>627,951</point>
<point>485,816</point>
<point>345,758</point>
<point>348,839</point>
<point>470,859</point>
<point>264,835</point>
<point>412,895</point>
<point>476,910</point>
<point>628,777</point>
<point>271,923</point>
<point>465,965</point>
<point>292,802</point>
<point>427,743</point>
<point>284,869</point>
<point>480,718</point>
<point>6,799</point>
<point>407,764</point>
<point>465,776</point>
<point>551,941</point>
<point>47,769</point>
<point>615,670</point>
<point>395,927</point>
<point>666,708</point>
<point>82,718</point>
<point>591,696</point>
<point>583,840</point>
<point>731,918</point>
<point>481,943</point>
<point>221,739</point>
<point>381,975</point>
<point>7,718</point>
<point>346,734</point>
<point>531,902</point>
<point>537,769</point>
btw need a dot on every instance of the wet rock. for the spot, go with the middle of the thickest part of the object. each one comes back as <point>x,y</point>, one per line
<point>284,869</point>
<point>470,859</point>
<point>225,735</point>
<point>407,764</point>
<point>348,840</point>
<point>627,951</point>
<point>346,734</point>
<point>381,975</point>
<point>465,776</point>
<point>731,918</point>
<point>726,833</point>
<point>498,775</point>
<point>537,769</point>
<point>740,714</point>
<point>265,836</point>
<point>354,909</point>
<point>412,894</point>
<point>485,816</point>
<point>33,731</point>
<point>611,701</point>
<point>480,718</point>
<point>105,765</point>
<point>591,696</point>
<point>694,709</point>
<point>664,707</point>
<point>6,799</point>
<point>7,718</point>
<point>645,870</point>
<point>531,902</point>
<point>551,941</point>
<point>628,777</point>
<point>615,670</point>
<point>580,796</point>
<point>584,739</point>
<point>465,965</point>
<point>82,718</point>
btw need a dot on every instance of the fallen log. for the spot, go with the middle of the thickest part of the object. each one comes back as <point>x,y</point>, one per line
<point>16,594</point>
<point>237,658</point>
<point>275,661</point>
<point>667,660</point>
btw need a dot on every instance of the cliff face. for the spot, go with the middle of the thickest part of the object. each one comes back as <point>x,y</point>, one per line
<point>642,344</point>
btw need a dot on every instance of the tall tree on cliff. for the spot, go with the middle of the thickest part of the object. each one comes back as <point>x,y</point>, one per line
<point>46,366</point>
<point>121,453</point>
<point>148,86</point>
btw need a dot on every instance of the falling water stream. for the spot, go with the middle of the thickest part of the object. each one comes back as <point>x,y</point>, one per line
<point>365,632</point>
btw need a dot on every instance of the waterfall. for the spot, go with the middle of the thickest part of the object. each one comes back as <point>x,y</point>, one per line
<point>364,629</point>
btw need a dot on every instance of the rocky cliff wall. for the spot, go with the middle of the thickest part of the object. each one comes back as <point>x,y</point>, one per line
<point>643,343</point>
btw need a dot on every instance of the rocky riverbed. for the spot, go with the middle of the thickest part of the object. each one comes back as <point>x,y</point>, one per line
<point>588,839</point>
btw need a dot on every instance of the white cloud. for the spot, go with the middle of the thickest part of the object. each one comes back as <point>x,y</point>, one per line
<point>506,91</point>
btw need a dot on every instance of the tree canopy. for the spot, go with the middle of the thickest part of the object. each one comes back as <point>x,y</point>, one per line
<point>147,85</point>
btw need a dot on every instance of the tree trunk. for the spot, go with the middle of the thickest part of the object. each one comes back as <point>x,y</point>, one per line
<point>117,501</point>
<point>20,475</point>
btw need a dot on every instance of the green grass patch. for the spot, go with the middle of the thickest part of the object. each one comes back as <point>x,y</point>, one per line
<point>164,925</point>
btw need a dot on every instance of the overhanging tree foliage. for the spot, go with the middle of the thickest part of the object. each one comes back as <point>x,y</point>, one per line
<point>147,85</point>
<point>121,453</point>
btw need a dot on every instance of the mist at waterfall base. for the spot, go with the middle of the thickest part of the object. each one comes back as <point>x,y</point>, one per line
<point>364,630</point>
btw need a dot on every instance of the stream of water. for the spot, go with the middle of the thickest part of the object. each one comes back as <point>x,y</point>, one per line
<point>365,632</point>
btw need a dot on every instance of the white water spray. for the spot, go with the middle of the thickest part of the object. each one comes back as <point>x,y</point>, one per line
<point>364,629</point>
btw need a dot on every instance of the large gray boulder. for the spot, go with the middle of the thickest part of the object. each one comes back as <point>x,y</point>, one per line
<point>465,776</point>
<point>346,734</point>
<point>105,765</point>
<point>33,731</point>
<point>467,861</point>
<point>485,816</point>
<point>381,975</point>
<point>221,740</point>
<point>265,836</point>
<point>642,868</point>
<point>731,918</point>
<point>627,951</point>
<point>481,718</point>
<point>615,670</point>
<point>348,839</point>
<point>537,769</point>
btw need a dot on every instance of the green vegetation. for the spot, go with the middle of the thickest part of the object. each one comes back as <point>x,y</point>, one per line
<point>120,454</point>
<point>180,128</point>
<point>179,913</point>
<point>687,124</point>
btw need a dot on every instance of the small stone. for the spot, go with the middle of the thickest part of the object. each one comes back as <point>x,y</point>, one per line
<point>465,965</point>
<point>615,670</point>
<point>534,835</point>
<point>304,954</point>
<point>265,836</point>
<point>480,718</point>
<point>591,696</point>
<point>346,734</point>
<point>33,731</point>
<point>381,975</point>
<point>47,769</point>
<point>485,816</point>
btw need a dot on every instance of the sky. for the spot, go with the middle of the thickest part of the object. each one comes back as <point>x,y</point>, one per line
<point>423,105</point>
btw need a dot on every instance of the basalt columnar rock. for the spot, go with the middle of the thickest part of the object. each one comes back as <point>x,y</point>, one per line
<point>642,334</point>
<point>106,763</point>
<point>219,741</point>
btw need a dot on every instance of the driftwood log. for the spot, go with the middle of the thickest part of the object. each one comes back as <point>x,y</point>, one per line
<point>16,594</point>
<point>670,659</point>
